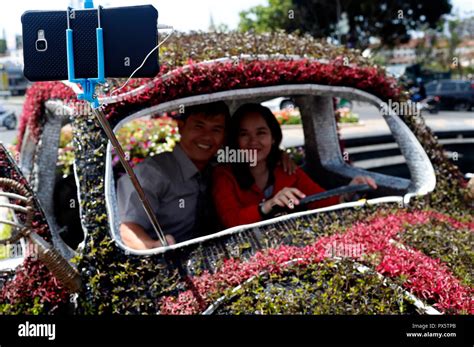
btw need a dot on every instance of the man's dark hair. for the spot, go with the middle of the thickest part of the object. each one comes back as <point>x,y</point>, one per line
<point>241,170</point>
<point>210,109</point>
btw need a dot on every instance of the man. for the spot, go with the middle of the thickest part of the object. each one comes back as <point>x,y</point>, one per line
<point>176,183</point>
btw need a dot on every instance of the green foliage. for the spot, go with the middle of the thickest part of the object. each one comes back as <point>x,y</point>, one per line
<point>388,20</point>
<point>453,246</point>
<point>200,46</point>
<point>288,116</point>
<point>14,309</point>
<point>3,46</point>
<point>329,287</point>
<point>143,138</point>
<point>261,19</point>
<point>345,115</point>
<point>5,232</point>
<point>5,229</point>
<point>140,138</point>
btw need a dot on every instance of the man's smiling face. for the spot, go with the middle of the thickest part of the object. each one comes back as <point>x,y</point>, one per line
<point>201,137</point>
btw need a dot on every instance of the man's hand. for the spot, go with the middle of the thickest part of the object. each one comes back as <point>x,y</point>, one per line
<point>289,166</point>
<point>358,180</point>
<point>134,236</point>
<point>169,238</point>
<point>470,190</point>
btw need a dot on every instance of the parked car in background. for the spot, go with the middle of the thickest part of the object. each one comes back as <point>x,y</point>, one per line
<point>17,81</point>
<point>12,80</point>
<point>279,103</point>
<point>453,94</point>
<point>4,91</point>
<point>7,118</point>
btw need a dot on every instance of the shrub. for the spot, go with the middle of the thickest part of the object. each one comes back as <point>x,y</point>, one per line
<point>144,138</point>
<point>140,138</point>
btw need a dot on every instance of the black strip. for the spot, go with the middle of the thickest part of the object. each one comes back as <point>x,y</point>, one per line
<point>291,330</point>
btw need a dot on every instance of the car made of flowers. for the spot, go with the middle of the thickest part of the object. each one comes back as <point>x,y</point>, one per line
<point>390,253</point>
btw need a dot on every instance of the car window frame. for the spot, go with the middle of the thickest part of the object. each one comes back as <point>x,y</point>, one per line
<point>444,83</point>
<point>312,90</point>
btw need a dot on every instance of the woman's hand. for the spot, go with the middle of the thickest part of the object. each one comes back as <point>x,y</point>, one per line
<point>287,197</point>
<point>359,180</point>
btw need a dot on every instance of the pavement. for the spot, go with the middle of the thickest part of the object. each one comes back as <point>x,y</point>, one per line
<point>15,100</point>
<point>372,123</point>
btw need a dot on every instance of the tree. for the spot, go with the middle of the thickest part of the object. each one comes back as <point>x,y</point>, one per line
<point>261,19</point>
<point>453,42</point>
<point>3,46</point>
<point>388,20</point>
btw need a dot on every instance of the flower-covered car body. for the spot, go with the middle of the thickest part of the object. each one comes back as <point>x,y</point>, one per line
<point>391,251</point>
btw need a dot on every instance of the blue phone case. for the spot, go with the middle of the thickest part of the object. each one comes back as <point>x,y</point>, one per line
<point>130,33</point>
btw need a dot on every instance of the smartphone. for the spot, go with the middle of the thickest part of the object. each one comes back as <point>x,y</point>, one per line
<point>129,34</point>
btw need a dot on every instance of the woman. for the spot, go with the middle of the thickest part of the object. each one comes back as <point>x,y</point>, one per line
<point>245,193</point>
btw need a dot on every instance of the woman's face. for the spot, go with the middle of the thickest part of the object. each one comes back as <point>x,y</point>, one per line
<point>254,134</point>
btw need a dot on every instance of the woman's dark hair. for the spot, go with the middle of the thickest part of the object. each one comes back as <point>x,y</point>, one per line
<point>241,170</point>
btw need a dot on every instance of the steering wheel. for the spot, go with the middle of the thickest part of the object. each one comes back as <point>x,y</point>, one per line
<point>356,188</point>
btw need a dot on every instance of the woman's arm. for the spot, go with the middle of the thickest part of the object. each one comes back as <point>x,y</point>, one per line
<point>309,187</point>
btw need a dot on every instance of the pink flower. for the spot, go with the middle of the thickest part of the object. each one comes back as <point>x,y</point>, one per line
<point>426,277</point>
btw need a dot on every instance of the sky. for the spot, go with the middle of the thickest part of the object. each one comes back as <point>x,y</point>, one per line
<point>183,15</point>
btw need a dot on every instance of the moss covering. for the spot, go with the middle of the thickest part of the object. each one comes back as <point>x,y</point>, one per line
<point>329,287</point>
<point>450,244</point>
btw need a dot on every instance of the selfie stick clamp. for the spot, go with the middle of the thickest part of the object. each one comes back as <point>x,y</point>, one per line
<point>88,84</point>
<point>88,4</point>
<point>89,95</point>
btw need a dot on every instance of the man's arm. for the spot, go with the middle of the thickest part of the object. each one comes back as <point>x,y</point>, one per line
<point>134,236</point>
<point>131,209</point>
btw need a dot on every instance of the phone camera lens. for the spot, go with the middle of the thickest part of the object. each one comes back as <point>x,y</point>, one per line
<point>41,45</point>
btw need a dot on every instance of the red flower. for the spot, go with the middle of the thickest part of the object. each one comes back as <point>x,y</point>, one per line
<point>428,278</point>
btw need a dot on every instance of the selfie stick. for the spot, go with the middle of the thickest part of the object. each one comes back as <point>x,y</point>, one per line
<point>88,94</point>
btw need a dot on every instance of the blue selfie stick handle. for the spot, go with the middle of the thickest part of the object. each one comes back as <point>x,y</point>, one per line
<point>70,56</point>
<point>100,55</point>
<point>88,4</point>
<point>88,84</point>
